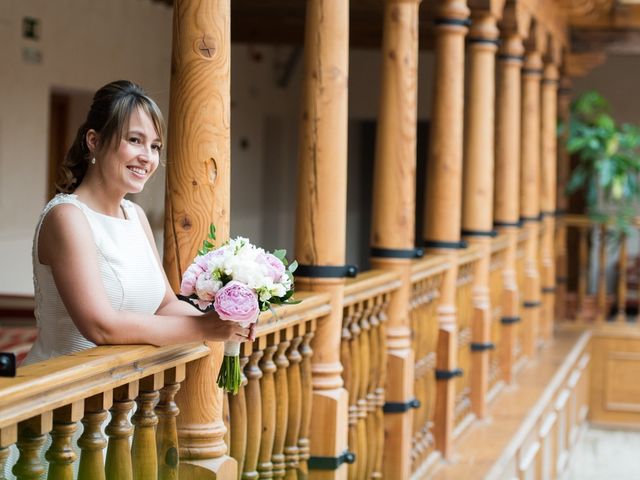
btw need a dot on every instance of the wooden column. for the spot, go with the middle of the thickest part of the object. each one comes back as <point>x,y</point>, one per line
<point>530,189</point>
<point>321,214</point>
<point>549,151</point>
<point>562,259</point>
<point>443,198</point>
<point>477,207</point>
<point>198,192</point>
<point>507,177</point>
<point>393,226</point>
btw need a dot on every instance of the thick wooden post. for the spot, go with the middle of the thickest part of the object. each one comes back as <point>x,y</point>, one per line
<point>530,188</point>
<point>321,215</point>
<point>198,192</point>
<point>562,259</point>
<point>549,151</point>
<point>443,198</point>
<point>392,237</point>
<point>477,207</point>
<point>507,177</point>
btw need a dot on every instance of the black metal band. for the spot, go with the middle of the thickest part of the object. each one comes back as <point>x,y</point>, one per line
<point>453,21</point>
<point>449,245</point>
<point>326,271</point>
<point>531,219</point>
<point>506,56</point>
<point>448,374</point>
<point>479,233</point>
<point>560,211</point>
<point>486,41</point>
<point>550,81</point>
<point>397,252</point>
<point>331,463</point>
<point>548,289</point>
<point>531,71</point>
<point>561,280</point>
<point>499,223</point>
<point>481,347</point>
<point>400,407</point>
<point>531,304</point>
<point>7,364</point>
<point>547,213</point>
<point>509,320</point>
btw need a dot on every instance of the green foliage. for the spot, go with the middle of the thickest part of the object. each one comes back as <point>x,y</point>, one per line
<point>609,161</point>
<point>209,242</point>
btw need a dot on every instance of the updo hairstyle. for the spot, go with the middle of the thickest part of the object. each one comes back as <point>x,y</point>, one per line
<point>109,115</point>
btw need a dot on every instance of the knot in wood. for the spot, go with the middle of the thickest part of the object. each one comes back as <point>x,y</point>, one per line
<point>186,223</point>
<point>206,51</point>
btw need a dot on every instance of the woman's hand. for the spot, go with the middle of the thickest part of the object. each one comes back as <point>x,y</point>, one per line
<point>222,330</point>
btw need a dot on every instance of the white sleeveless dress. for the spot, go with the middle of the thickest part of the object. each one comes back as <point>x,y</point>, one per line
<point>128,268</point>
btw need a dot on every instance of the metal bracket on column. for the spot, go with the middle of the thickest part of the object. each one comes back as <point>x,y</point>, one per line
<point>331,463</point>
<point>481,347</point>
<point>531,219</point>
<point>548,289</point>
<point>479,233</point>
<point>531,304</point>
<point>401,407</point>
<point>447,245</point>
<point>453,21</point>
<point>397,252</point>
<point>507,224</point>
<point>509,320</point>
<point>326,271</point>
<point>449,374</point>
<point>551,213</point>
<point>506,56</point>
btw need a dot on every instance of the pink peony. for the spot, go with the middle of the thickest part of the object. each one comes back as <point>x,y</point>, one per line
<point>237,302</point>
<point>274,267</point>
<point>189,279</point>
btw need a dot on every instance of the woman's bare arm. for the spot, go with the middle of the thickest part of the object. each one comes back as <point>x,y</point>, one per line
<point>66,245</point>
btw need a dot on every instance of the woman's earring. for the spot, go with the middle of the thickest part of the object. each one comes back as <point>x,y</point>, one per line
<point>93,160</point>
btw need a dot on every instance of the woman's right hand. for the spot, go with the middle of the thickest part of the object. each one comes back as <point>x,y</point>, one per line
<point>225,330</point>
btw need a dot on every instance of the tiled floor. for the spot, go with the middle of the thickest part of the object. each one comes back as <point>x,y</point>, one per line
<point>606,455</point>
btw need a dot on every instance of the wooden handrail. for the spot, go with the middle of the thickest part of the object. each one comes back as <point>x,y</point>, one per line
<point>45,386</point>
<point>368,285</point>
<point>312,305</point>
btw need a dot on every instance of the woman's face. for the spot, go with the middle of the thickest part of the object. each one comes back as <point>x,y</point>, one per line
<point>130,166</point>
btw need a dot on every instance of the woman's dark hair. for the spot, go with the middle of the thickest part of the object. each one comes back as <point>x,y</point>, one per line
<point>109,115</point>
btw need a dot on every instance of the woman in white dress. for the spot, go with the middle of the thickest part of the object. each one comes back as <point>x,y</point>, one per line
<point>97,274</point>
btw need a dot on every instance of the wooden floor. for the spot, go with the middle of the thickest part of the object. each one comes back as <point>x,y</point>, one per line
<point>511,441</point>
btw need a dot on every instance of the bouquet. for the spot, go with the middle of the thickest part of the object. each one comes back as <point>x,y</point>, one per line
<point>238,280</point>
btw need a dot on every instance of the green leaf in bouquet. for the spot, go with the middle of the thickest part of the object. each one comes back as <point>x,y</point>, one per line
<point>280,254</point>
<point>294,265</point>
<point>212,231</point>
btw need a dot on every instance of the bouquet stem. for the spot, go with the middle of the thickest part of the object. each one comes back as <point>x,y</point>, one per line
<point>230,376</point>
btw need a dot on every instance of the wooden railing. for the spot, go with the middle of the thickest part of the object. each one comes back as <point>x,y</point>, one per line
<point>426,280</point>
<point>600,302</point>
<point>268,420</point>
<point>53,396</point>
<point>363,355</point>
<point>499,247</point>
<point>467,262</point>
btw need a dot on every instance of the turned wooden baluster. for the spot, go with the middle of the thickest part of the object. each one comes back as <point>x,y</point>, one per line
<point>237,408</point>
<point>583,271</point>
<point>307,397</point>
<point>167,431</point>
<point>31,438</point>
<point>352,388</point>
<point>144,453</point>
<point>282,406</point>
<point>381,381</point>
<point>269,400</point>
<point>295,402</point>
<point>118,463</point>
<point>365,365</point>
<point>254,410</point>
<point>601,296</point>
<point>61,454</point>
<point>372,383</point>
<point>622,280</point>
<point>92,442</point>
<point>348,379</point>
